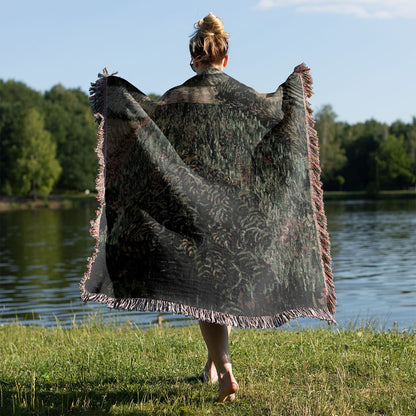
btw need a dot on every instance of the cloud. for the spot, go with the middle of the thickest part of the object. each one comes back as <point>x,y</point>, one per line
<point>365,9</point>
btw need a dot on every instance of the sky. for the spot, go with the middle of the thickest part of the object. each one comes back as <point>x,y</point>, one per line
<point>361,53</point>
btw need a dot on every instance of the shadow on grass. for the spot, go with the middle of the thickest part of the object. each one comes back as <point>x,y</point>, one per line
<point>98,397</point>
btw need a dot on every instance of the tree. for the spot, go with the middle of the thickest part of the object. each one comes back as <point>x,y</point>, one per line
<point>35,168</point>
<point>15,92</point>
<point>332,155</point>
<point>394,164</point>
<point>153,96</point>
<point>408,133</point>
<point>71,123</point>
<point>7,120</point>
<point>15,99</point>
<point>361,142</point>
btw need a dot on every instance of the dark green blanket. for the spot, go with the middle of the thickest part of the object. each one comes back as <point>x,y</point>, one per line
<point>211,203</point>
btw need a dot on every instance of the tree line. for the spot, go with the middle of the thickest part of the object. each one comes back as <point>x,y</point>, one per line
<point>368,156</point>
<point>47,140</point>
<point>47,143</point>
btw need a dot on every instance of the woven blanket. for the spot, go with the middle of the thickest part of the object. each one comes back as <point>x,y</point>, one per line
<point>210,202</point>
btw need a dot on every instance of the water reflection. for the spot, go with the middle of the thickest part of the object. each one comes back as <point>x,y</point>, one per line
<point>43,256</point>
<point>42,253</point>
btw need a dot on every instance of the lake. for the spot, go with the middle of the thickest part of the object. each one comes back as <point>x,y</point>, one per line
<point>43,257</point>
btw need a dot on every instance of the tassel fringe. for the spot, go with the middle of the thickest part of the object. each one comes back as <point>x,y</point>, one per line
<point>98,94</point>
<point>258,322</point>
<point>316,188</point>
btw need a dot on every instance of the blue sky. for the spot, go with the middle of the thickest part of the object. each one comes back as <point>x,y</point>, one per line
<point>361,53</point>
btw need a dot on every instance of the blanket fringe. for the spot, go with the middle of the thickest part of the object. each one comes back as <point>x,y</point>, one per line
<point>255,322</point>
<point>316,187</point>
<point>98,93</point>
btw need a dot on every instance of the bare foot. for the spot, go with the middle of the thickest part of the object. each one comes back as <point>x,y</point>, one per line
<point>209,374</point>
<point>228,388</point>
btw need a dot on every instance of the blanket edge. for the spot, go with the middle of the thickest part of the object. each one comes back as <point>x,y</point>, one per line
<point>316,188</point>
<point>245,322</point>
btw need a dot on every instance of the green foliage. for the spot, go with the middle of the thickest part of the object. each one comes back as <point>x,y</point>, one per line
<point>407,132</point>
<point>71,134</point>
<point>14,92</point>
<point>360,153</point>
<point>73,129</point>
<point>7,119</point>
<point>341,180</point>
<point>153,96</point>
<point>104,369</point>
<point>394,163</point>
<point>34,168</point>
<point>332,155</point>
<point>15,100</point>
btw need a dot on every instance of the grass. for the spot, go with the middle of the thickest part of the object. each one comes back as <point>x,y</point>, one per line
<point>104,369</point>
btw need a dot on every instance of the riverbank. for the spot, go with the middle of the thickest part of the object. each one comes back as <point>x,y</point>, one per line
<point>382,195</point>
<point>100,369</point>
<point>66,201</point>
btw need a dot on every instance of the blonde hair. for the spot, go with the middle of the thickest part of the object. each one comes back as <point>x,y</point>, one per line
<point>209,42</point>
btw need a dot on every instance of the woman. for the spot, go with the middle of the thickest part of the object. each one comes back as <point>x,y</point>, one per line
<point>209,49</point>
<point>211,203</point>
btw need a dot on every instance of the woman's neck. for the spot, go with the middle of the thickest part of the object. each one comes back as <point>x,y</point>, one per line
<point>200,67</point>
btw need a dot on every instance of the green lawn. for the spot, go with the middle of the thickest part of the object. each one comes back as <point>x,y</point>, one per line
<point>104,369</point>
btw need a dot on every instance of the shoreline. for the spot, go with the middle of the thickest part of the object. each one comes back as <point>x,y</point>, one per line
<point>355,195</point>
<point>68,201</point>
<point>64,201</point>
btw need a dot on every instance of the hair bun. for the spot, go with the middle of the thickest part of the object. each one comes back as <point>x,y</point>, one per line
<point>211,25</point>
